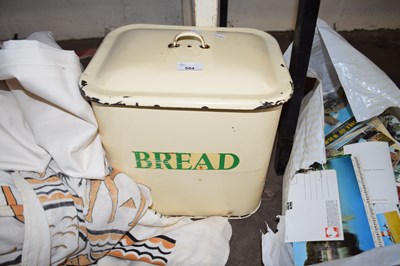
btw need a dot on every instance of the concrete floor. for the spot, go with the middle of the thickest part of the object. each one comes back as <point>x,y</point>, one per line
<point>382,47</point>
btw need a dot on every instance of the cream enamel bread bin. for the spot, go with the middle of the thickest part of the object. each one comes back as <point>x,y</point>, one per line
<point>189,112</point>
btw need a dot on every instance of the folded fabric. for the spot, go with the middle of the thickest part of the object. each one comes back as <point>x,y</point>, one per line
<point>44,80</point>
<point>59,219</point>
<point>19,148</point>
<point>58,197</point>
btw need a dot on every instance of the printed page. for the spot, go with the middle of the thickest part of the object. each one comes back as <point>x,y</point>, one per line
<point>313,208</point>
<point>377,167</point>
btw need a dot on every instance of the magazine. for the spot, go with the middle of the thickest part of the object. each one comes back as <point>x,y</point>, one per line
<point>391,123</point>
<point>365,225</point>
<point>389,225</point>
<point>342,129</point>
<point>338,117</point>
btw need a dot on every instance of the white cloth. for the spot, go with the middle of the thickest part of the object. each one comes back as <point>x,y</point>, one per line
<point>59,199</point>
<point>36,249</point>
<point>107,222</point>
<point>44,83</point>
<point>19,148</point>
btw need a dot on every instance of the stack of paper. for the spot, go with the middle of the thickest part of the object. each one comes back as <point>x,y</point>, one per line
<point>352,205</point>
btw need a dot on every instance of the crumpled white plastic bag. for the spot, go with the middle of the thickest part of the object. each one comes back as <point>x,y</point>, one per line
<point>309,139</point>
<point>274,249</point>
<point>335,62</point>
<point>43,80</point>
<point>368,89</point>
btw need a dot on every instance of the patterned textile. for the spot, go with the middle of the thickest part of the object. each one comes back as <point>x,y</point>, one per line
<point>87,220</point>
<point>60,202</point>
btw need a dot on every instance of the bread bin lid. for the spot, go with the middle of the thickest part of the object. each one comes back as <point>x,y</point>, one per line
<point>187,67</point>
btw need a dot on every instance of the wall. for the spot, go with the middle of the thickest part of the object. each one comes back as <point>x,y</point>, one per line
<point>344,14</point>
<point>76,19</point>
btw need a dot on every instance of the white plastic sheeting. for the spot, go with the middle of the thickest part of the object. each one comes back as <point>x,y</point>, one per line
<point>334,63</point>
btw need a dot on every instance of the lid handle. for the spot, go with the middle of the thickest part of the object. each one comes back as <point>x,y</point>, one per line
<point>189,35</point>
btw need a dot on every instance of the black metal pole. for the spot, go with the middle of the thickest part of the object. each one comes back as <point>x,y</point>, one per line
<point>307,15</point>
<point>223,13</point>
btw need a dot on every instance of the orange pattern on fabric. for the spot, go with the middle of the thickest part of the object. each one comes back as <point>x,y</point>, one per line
<point>133,257</point>
<point>106,236</point>
<point>155,240</point>
<point>128,241</point>
<point>83,229</point>
<point>77,200</point>
<point>54,196</point>
<point>78,260</point>
<point>53,178</point>
<point>112,190</point>
<point>130,203</point>
<point>8,194</point>
<point>164,242</point>
<point>139,211</point>
<point>18,212</point>
<point>98,254</point>
<point>17,209</point>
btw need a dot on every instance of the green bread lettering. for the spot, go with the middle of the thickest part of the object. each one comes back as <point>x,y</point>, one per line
<point>180,161</point>
<point>140,159</point>
<point>222,161</point>
<point>183,161</point>
<point>164,161</point>
<point>203,161</point>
